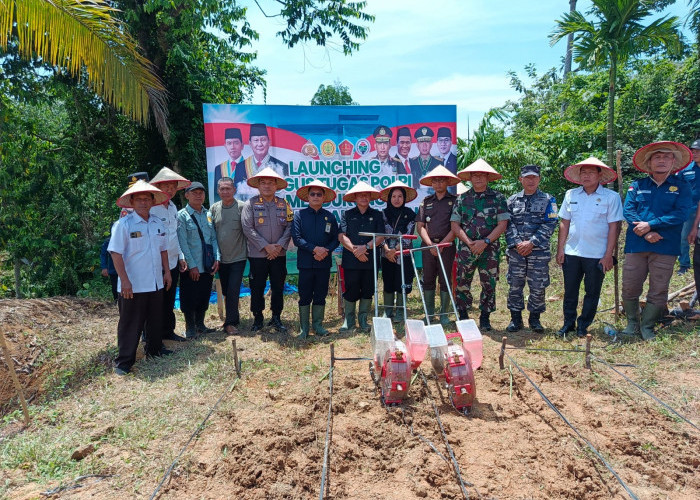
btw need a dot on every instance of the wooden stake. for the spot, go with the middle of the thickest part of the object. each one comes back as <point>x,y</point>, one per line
<point>332,354</point>
<point>503,352</point>
<point>220,300</point>
<point>15,380</point>
<point>588,351</point>
<point>235,358</point>
<point>616,269</point>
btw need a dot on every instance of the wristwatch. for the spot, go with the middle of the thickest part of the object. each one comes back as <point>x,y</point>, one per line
<point>487,241</point>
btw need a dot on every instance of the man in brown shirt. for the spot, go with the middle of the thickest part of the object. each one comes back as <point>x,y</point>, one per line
<point>433,225</point>
<point>267,224</point>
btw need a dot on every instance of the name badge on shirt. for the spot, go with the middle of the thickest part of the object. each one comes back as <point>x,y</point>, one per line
<point>328,227</point>
<point>135,234</point>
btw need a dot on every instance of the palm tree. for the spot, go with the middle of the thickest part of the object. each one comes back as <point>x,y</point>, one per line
<point>83,38</point>
<point>615,36</point>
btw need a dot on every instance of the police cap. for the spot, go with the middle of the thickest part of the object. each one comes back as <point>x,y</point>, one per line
<point>382,134</point>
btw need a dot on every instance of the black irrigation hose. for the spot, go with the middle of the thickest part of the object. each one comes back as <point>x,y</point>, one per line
<point>559,413</point>
<point>324,470</point>
<point>425,440</point>
<point>455,465</point>
<point>76,484</point>
<point>353,359</point>
<point>544,350</point>
<point>194,434</point>
<point>645,391</point>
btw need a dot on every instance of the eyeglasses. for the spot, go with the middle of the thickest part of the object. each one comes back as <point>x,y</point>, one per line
<point>315,194</point>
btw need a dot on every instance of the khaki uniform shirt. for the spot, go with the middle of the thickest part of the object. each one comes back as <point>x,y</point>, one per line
<point>266,222</point>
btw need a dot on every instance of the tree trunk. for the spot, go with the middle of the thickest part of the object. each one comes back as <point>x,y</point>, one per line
<point>611,107</point>
<point>18,282</point>
<point>569,44</point>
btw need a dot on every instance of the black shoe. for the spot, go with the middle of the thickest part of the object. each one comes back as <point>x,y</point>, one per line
<point>463,314</point>
<point>276,323</point>
<point>202,328</point>
<point>564,330</point>
<point>257,324</point>
<point>484,321</point>
<point>163,352</point>
<point>175,337</point>
<point>682,270</point>
<point>581,333</point>
<point>534,322</point>
<point>120,371</point>
<point>516,322</point>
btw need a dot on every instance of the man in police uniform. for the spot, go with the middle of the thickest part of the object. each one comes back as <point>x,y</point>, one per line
<point>479,219</point>
<point>590,218</point>
<point>267,224</point>
<point>258,161</point>
<point>655,209</point>
<point>691,174</point>
<point>390,167</point>
<point>403,150</point>
<point>139,249</point>
<point>424,163</point>
<point>315,233</point>
<point>433,226</point>
<point>234,167</point>
<point>533,218</point>
<point>358,253</point>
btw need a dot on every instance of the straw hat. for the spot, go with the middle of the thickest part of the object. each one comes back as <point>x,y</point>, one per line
<point>267,173</point>
<point>680,151</point>
<point>361,187</point>
<point>573,172</point>
<point>328,194</point>
<point>461,188</point>
<point>140,186</point>
<point>439,171</point>
<point>411,194</point>
<point>167,175</point>
<point>479,165</point>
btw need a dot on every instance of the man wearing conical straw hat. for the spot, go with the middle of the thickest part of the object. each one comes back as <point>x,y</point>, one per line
<point>655,209</point>
<point>170,183</point>
<point>479,219</point>
<point>315,233</point>
<point>433,226</point>
<point>358,253</point>
<point>588,231</point>
<point>267,224</point>
<point>139,249</point>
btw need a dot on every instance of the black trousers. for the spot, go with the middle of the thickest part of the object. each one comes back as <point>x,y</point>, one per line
<point>391,275</point>
<point>194,295</point>
<point>359,284</point>
<point>231,276</point>
<point>133,315</point>
<point>432,269</point>
<point>168,323</point>
<point>113,280</point>
<point>313,286</point>
<point>696,264</point>
<point>577,269</point>
<point>262,269</point>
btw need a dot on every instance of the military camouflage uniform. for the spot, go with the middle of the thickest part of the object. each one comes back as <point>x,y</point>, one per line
<point>478,214</point>
<point>532,218</point>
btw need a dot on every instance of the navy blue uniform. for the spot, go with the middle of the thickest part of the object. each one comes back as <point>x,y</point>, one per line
<point>359,278</point>
<point>312,229</point>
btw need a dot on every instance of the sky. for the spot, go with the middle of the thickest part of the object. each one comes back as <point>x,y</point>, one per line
<point>450,52</point>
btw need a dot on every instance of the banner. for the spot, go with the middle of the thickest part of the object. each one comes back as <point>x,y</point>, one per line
<point>339,145</point>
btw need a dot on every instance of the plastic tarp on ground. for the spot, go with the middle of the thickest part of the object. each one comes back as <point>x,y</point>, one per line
<point>245,292</point>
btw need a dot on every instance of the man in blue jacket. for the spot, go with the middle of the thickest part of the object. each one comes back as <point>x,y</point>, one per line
<point>315,233</point>
<point>655,209</point>
<point>691,174</point>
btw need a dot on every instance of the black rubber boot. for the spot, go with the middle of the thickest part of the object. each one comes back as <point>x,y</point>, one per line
<point>516,322</point>
<point>484,321</point>
<point>190,329</point>
<point>258,323</point>
<point>534,321</point>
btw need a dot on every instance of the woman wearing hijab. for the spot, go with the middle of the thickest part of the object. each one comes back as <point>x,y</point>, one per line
<point>398,219</point>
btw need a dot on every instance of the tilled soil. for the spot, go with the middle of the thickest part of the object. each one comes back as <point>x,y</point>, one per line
<point>268,441</point>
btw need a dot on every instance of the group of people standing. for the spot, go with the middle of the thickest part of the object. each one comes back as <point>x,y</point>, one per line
<point>154,244</point>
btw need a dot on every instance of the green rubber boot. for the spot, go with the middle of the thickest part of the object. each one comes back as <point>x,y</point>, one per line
<point>304,321</point>
<point>398,315</point>
<point>363,314</point>
<point>429,296</point>
<point>389,305</point>
<point>650,315</point>
<point>349,324</point>
<point>317,315</point>
<point>632,312</point>
<point>445,304</point>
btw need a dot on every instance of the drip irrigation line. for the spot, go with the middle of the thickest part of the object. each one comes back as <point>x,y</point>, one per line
<point>542,349</point>
<point>612,367</point>
<point>327,446</point>
<point>194,434</point>
<point>353,359</point>
<point>76,484</point>
<point>455,465</point>
<point>415,434</point>
<point>559,413</point>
